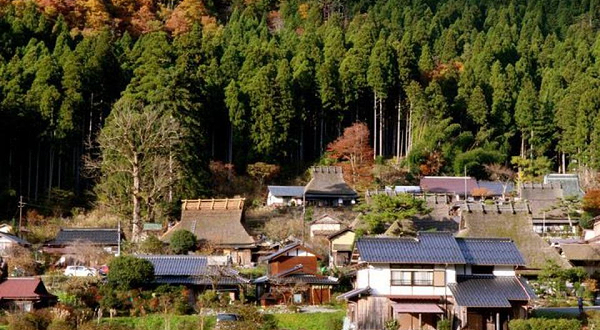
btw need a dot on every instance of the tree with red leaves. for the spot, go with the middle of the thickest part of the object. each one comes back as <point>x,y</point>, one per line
<point>591,202</point>
<point>353,153</point>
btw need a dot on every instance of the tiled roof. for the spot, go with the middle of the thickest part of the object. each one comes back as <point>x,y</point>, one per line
<point>439,248</point>
<point>25,288</point>
<point>218,221</point>
<point>197,280</point>
<point>328,181</point>
<point>490,251</point>
<point>286,191</point>
<point>187,269</point>
<point>98,236</point>
<point>298,278</point>
<point>427,248</point>
<point>490,291</point>
<point>448,184</point>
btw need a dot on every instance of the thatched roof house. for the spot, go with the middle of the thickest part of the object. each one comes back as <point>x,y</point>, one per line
<point>218,222</point>
<point>327,187</point>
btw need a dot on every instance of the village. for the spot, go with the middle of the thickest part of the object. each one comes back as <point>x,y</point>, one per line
<point>475,255</point>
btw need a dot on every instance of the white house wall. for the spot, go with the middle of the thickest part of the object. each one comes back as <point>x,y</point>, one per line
<point>378,278</point>
<point>504,271</point>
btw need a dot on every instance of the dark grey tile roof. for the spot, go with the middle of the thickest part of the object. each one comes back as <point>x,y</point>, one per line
<point>197,280</point>
<point>448,184</point>
<point>98,236</point>
<point>328,181</point>
<point>282,251</point>
<point>496,187</point>
<point>490,251</point>
<point>286,191</point>
<point>188,269</point>
<point>490,291</point>
<point>426,248</point>
<point>297,278</point>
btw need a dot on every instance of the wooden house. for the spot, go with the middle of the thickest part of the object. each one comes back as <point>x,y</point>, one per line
<point>328,188</point>
<point>341,244</point>
<point>293,278</point>
<point>420,280</point>
<point>218,223</point>
<point>324,226</point>
<point>68,241</point>
<point>198,273</point>
<point>24,294</point>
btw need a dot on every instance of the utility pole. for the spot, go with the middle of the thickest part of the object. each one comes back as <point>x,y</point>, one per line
<point>21,205</point>
<point>119,238</point>
<point>465,184</point>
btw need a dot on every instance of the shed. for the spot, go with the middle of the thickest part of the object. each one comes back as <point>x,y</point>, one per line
<point>25,294</point>
<point>285,195</point>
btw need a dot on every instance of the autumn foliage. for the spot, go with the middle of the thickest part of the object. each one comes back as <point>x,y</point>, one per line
<point>591,202</point>
<point>353,153</point>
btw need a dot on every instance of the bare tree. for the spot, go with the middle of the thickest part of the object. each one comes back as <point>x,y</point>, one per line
<point>502,174</point>
<point>86,253</point>
<point>135,160</point>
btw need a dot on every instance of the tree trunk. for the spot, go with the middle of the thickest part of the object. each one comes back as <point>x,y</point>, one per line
<point>50,169</point>
<point>29,175</point>
<point>522,146</point>
<point>59,170</point>
<point>37,171</point>
<point>230,149</point>
<point>564,163</point>
<point>374,125</point>
<point>136,199</point>
<point>321,134</point>
<point>380,127</point>
<point>398,133</point>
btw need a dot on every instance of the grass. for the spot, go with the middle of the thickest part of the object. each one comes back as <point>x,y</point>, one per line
<point>313,321</point>
<point>298,321</point>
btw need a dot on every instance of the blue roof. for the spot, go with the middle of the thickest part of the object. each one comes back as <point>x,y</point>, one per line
<point>426,248</point>
<point>177,265</point>
<point>490,291</point>
<point>490,251</point>
<point>287,191</point>
<point>496,187</point>
<point>439,248</point>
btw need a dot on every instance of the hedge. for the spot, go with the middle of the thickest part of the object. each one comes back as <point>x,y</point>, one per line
<point>545,324</point>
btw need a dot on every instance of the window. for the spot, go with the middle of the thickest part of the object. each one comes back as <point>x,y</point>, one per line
<point>411,275</point>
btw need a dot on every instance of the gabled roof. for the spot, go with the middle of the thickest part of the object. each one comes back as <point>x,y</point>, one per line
<point>218,221</point>
<point>448,184</point>
<point>190,269</point>
<point>339,232</point>
<point>96,236</point>
<point>14,239</point>
<point>439,248</point>
<point>328,181</point>
<point>152,227</point>
<point>289,248</point>
<point>490,291</point>
<point>425,248</point>
<point>286,191</point>
<point>326,219</point>
<point>24,288</point>
<point>490,251</point>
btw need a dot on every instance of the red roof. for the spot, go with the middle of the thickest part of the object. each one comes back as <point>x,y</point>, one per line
<point>24,288</point>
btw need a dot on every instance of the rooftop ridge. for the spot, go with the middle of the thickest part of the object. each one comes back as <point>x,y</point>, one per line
<point>213,204</point>
<point>88,228</point>
<point>486,239</point>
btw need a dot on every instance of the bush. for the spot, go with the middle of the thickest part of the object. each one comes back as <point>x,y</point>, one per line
<point>545,324</point>
<point>183,241</point>
<point>152,245</point>
<point>36,320</point>
<point>128,272</point>
<point>444,325</point>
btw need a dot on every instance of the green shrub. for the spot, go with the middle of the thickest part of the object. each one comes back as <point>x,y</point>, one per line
<point>444,325</point>
<point>128,272</point>
<point>152,245</point>
<point>36,320</point>
<point>545,324</point>
<point>183,241</point>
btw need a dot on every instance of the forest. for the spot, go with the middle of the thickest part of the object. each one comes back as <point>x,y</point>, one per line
<point>445,87</point>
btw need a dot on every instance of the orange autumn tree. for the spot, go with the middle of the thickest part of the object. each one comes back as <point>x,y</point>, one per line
<point>354,154</point>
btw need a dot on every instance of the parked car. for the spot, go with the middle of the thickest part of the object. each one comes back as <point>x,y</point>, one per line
<point>226,320</point>
<point>80,271</point>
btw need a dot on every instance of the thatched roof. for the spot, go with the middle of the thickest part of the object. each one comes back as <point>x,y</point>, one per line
<point>218,221</point>
<point>328,181</point>
<point>581,252</point>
